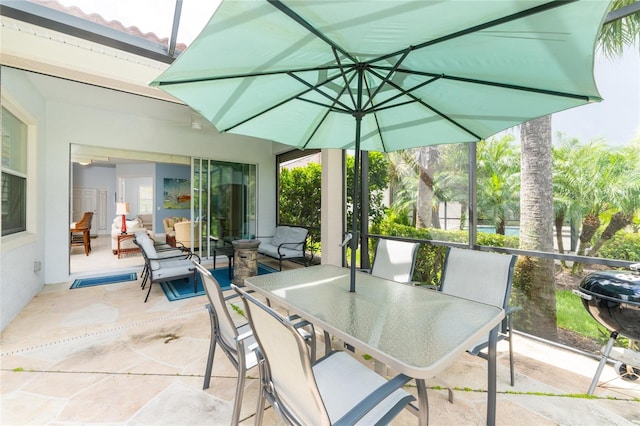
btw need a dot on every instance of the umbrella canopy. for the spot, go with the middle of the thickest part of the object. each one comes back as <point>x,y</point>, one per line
<point>386,75</point>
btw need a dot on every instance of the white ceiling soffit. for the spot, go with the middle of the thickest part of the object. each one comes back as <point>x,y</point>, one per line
<point>33,48</point>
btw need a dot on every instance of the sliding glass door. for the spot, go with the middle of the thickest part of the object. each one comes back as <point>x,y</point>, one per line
<point>224,202</point>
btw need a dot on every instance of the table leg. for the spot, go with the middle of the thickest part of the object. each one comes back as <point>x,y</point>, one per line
<point>491,378</point>
<point>423,403</point>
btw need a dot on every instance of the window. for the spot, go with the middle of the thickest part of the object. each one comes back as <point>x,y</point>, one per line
<point>145,199</point>
<point>14,174</point>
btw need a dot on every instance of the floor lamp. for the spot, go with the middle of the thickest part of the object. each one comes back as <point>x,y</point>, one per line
<point>123,209</point>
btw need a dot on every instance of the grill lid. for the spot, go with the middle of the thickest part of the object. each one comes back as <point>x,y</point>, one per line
<point>619,286</point>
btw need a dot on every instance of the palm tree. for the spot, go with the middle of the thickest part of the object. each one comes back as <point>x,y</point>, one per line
<point>568,157</point>
<point>623,175</point>
<point>498,180</point>
<point>535,228</point>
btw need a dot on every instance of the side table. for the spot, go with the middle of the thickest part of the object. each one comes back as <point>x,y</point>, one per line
<point>123,237</point>
<point>224,250</point>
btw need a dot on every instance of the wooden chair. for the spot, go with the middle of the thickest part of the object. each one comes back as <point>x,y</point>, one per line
<point>79,232</point>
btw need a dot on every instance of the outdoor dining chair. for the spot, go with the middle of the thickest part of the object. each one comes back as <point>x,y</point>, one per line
<point>483,277</point>
<point>237,342</point>
<point>336,390</point>
<point>395,260</point>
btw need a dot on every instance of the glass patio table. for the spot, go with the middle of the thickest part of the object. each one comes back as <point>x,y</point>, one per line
<point>415,331</point>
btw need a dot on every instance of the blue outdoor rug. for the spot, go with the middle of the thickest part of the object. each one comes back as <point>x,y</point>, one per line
<point>183,288</point>
<point>109,279</point>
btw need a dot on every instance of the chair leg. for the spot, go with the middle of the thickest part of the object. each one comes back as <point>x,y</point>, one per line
<point>327,343</point>
<point>85,240</point>
<point>143,274</point>
<point>261,391</point>
<point>237,402</point>
<point>144,280</point>
<point>150,285</point>
<point>212,350</point>
<point>510,336</point>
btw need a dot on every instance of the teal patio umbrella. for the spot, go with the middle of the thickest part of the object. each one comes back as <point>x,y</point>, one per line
<point>386,75</point>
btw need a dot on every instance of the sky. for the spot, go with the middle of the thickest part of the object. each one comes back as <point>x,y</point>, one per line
<point>616,118</point>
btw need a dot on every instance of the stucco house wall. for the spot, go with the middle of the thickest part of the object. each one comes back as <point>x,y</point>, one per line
<point>122,121</point>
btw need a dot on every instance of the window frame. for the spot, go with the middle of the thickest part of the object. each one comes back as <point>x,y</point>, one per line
<point>12,241</point>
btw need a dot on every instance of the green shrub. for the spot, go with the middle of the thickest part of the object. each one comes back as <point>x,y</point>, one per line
<point>623,246</point>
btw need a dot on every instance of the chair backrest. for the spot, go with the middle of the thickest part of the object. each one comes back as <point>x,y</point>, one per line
<point>288,363</point>
<point>147,248</point>
<point>395,260</point>
<point>85,221</point>
<point>227,330</point>
<point>481,276</point>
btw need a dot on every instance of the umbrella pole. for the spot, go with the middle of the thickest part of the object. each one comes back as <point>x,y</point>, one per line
<point>354,215</point>
<point>356,172</point>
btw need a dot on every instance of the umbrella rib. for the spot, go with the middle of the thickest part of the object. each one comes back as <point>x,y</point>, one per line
<point>296,96</point>
<point>317,89</point>
<point>344,75</point>
<point>387,78</point>
<point>297,18</point>
<point>426,105</point>
<point>326,114</point>
<point>402,93</point>
<point>375,116</point>
<point>532,11</point>
<point>331,107</point>
<point>254,74</point>
<point>492,83</point>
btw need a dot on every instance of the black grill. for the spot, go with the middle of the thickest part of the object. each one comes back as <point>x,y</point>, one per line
<point>613,299</point>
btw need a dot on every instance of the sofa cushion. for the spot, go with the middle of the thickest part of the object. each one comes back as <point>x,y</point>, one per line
<point>272,251</point>
<point>296,235</point>
<point>135,223</point>
<point>280,235</point>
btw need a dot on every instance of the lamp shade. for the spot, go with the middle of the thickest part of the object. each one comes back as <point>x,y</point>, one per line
<point>122,208</point>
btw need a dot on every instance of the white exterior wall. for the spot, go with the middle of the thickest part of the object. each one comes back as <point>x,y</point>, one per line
<point>19,283</point>
<point>133,127</point>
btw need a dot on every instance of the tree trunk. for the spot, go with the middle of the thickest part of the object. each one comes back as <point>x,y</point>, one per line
<point>590,225</point>
<point>463,214</point>
<point>536,278</point>
<point>559,224</point>
<point>435,217</point>
<point>425,199</point>
<point>427,161</point>
<point>618,221</point>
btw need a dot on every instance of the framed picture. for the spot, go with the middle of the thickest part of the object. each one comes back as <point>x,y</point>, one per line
<point>177,193</point>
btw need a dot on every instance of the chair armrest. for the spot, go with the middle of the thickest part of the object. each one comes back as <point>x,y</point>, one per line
<point>373,399</point>
<point>244,336</point>
<point>512,309</point>
<point>234,295</point>
<point>283,245</point>
<point>173,257</point>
